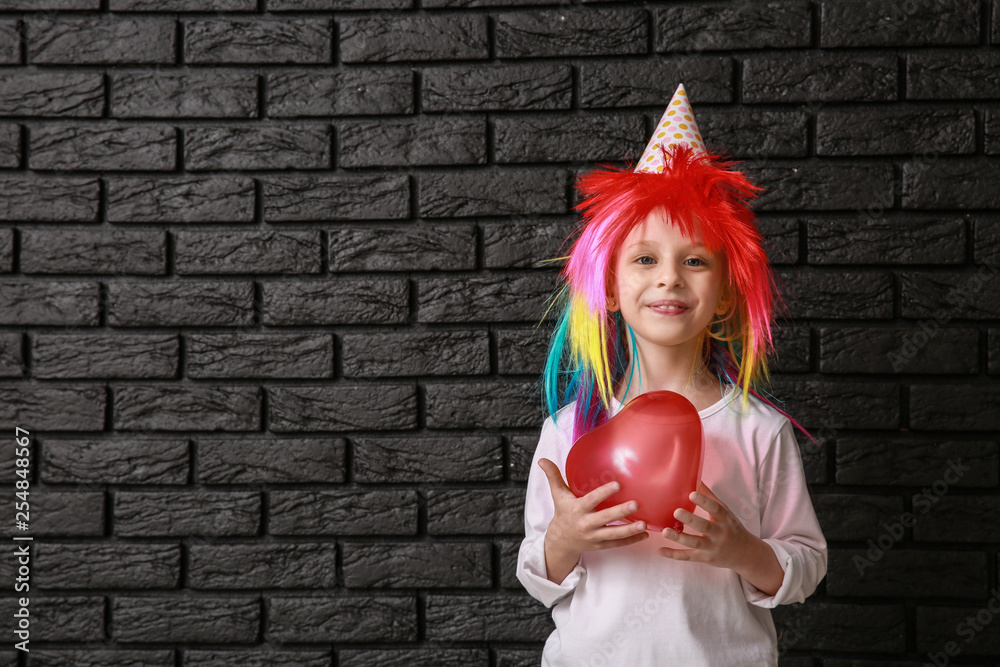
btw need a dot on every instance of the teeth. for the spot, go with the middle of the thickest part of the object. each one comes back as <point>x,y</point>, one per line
<point>668,307</point>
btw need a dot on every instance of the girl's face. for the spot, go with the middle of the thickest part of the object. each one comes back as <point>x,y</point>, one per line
<point>658,263</point>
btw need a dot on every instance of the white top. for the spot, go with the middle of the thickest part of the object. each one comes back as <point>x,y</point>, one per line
<point>631,606</point>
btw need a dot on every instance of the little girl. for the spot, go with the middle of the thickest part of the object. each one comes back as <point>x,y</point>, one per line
<point>668,287</point>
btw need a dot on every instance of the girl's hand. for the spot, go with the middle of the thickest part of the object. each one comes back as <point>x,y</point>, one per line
<point>725,543</point>
<point>577,526</point>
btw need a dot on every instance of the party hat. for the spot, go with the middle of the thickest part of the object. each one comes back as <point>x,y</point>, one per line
<point>675,127</point>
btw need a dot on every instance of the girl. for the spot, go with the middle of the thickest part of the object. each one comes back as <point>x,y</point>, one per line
<point>668,287</point>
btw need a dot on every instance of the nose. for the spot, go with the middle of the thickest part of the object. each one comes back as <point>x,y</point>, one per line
<point>669,275</point>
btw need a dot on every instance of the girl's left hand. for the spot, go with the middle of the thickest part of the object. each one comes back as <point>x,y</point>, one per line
<point>725,541</point>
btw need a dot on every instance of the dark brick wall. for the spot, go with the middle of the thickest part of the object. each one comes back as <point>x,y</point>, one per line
<point>272,275</point>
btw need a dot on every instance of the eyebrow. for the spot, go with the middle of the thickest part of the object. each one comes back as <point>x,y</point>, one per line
<point>650,243</point>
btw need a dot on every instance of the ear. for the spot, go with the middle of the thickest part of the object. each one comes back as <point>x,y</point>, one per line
<point>612,302</point>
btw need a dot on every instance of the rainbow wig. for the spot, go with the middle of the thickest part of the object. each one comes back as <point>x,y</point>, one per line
<point>587,353</point>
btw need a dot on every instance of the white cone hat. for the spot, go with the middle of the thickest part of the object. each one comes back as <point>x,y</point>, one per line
<point>675,127</point>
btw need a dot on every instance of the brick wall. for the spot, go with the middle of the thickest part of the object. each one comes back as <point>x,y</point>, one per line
<point>272,279</point>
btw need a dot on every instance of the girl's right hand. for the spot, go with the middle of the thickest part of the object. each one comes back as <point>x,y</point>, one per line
<point>576,526</point>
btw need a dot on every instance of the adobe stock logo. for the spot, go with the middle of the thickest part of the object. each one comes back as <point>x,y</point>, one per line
<point>894,531</point>
<point>635,623</point>
<point>967,295</point>
<point>969,628</point>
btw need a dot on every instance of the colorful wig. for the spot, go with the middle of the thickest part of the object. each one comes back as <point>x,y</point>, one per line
<point>587,353</point>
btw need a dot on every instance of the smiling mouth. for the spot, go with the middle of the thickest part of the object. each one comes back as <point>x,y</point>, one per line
<point>669,309</point>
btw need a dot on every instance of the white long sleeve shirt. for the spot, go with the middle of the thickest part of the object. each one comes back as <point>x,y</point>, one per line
<point>632,607</point>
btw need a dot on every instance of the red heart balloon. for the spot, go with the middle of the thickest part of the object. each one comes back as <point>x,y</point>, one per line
<point>654,447</point>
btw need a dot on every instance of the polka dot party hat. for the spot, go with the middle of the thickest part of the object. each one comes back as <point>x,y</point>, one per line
<point>675,127</point>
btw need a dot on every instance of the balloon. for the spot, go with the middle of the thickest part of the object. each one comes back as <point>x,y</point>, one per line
<point>654,447</point>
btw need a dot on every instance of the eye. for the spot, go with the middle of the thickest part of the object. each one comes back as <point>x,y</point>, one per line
<point>700,262</point>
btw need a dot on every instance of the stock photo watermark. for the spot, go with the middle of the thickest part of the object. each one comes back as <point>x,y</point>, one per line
<point>925,500</point>
<point>633,623</point>
<point>968,628</point>
<point>966,295</point>
<point>791,633</point>
<point>22,516</point>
